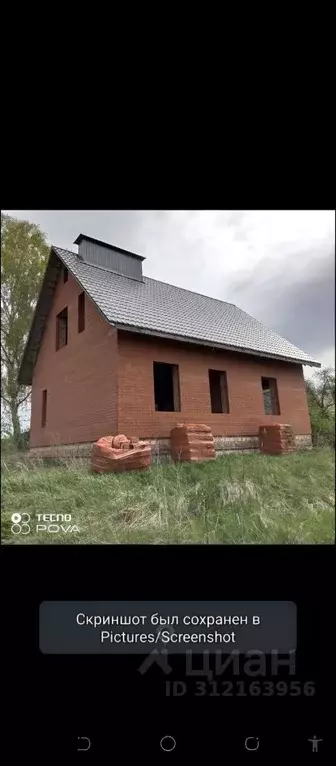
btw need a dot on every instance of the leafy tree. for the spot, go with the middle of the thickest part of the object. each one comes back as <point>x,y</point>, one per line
<point>321,402</point>
<point>24,252</point>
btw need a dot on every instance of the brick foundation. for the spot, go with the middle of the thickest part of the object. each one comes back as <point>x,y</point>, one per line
<point>63,451</point>
<point>304,442</point>
<point>224,445</point>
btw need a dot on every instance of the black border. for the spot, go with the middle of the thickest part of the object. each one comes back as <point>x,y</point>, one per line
<point>91,691</point>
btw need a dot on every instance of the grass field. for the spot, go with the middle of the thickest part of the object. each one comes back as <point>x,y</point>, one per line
<point>236,499</point>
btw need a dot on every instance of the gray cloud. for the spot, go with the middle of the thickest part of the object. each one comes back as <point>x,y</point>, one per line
<point>298,304</point>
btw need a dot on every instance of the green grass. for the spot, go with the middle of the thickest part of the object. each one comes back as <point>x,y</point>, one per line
<point>236,499</point>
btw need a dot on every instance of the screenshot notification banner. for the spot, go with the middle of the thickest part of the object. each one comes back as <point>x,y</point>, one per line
<point>139,627</point>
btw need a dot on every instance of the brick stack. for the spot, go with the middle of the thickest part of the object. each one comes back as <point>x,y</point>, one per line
<point>277,439</point>
<point>192,443</point>
<point>118,453</point>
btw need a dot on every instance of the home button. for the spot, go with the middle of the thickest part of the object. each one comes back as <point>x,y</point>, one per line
<point>168,744</point>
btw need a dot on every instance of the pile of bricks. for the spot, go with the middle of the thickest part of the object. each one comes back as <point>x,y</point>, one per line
<point>118,453</point>
<point>277,439</point>
<point>192,443</point>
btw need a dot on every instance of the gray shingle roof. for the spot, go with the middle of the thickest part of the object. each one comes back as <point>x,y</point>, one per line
<point>159,309</point>
<point>175,312</point>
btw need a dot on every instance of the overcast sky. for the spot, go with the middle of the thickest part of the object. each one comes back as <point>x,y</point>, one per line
<point>279,266</point>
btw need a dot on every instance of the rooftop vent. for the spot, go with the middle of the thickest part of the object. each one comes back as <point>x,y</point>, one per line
<point>97,253</point>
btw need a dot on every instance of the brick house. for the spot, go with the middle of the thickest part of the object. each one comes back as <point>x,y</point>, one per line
<point>112,351</point>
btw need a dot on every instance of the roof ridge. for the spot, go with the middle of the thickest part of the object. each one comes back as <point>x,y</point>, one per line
<point>151,279</point>
<point>95,265</point>
<point>72,252</point>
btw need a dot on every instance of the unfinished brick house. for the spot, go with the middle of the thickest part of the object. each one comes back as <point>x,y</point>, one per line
<point>111,351</point>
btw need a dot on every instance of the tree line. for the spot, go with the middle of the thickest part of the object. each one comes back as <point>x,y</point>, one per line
<point>321,403</point>
<point>24,253</point>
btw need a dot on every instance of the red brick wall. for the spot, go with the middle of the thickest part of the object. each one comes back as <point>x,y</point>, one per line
<point>102,382</point>
<point>80,378</point>
<point>136,412</point>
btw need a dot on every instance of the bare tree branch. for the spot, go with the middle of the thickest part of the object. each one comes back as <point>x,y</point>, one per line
<point>24,398</point>
<point>7,358</point>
